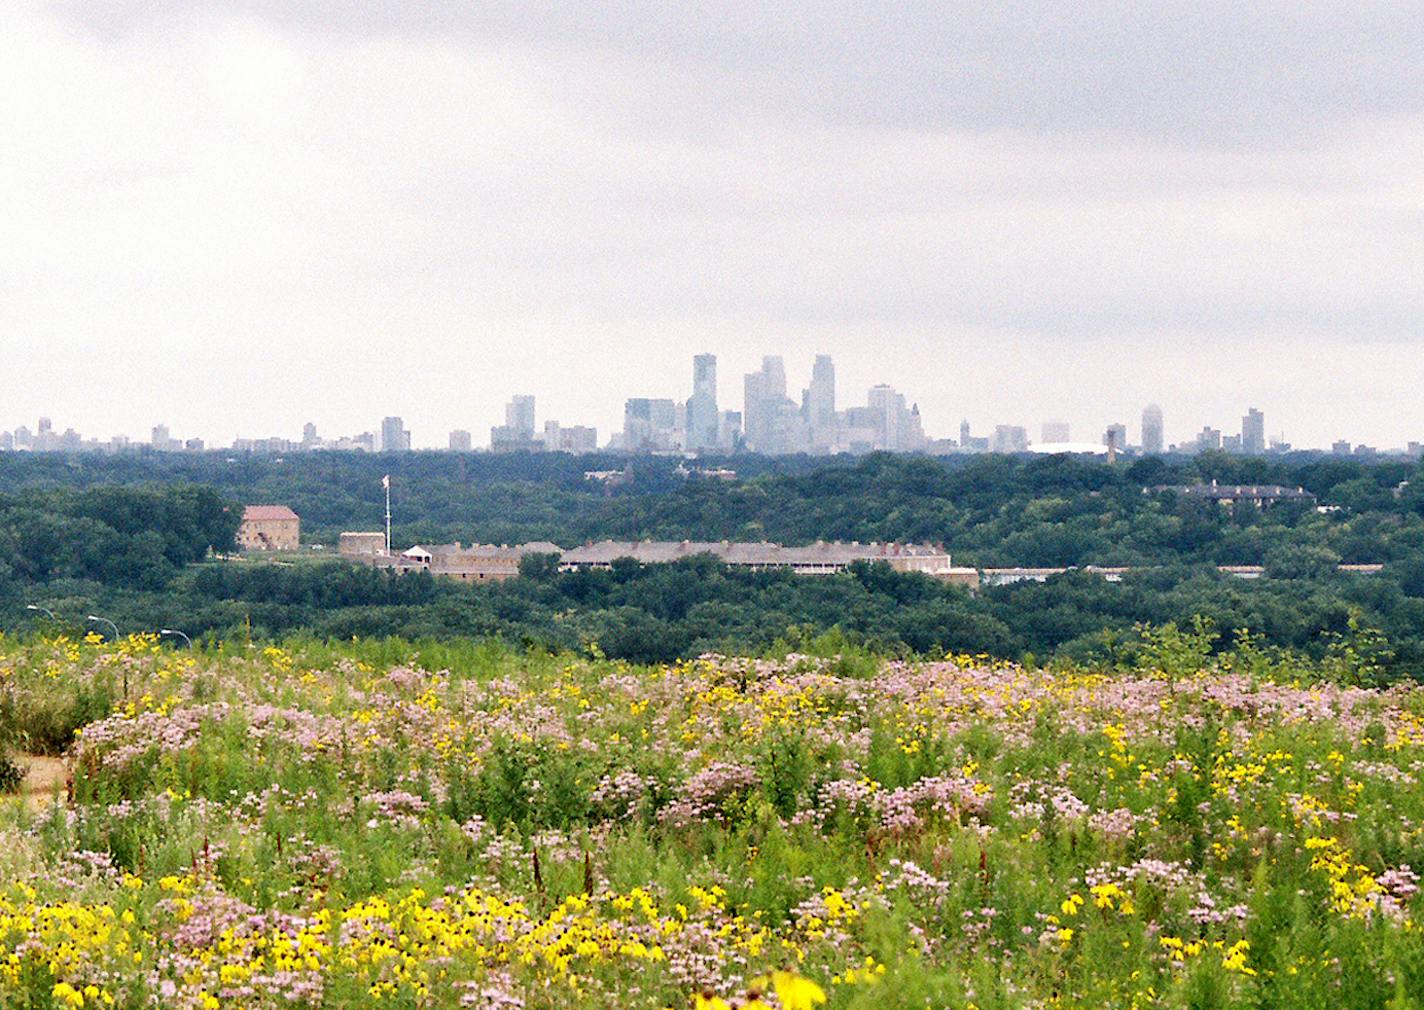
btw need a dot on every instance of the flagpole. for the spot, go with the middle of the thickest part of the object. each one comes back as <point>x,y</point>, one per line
<point>387,483</point>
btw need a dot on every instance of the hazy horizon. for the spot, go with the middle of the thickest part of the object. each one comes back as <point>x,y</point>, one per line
<point>236,217</point>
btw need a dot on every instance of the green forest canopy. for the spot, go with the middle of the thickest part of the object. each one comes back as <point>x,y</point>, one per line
<point>123,537</point>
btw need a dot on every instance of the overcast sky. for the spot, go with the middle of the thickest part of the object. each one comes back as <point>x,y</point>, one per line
<point>235,217</point>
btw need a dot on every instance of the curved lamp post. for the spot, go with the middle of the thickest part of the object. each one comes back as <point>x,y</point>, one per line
<point>43,610</point>
<point>175,631</point>
<point>104,620</point>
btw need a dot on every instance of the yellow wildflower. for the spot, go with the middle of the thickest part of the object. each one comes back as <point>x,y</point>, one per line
<point>796,992</point>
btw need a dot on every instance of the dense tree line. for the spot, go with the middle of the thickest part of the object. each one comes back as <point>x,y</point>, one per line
<point>132,537</point>
<point>659,612</point>
<point>989,510</point>
<point>80,545</point>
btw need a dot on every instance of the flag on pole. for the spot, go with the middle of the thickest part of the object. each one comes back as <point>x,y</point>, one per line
<point>386,483</point>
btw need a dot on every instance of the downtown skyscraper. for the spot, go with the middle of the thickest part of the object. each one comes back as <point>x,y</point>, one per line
<point>702,416</point>
<point>818,403</point>
<point>1253,432</point>
<point>1152,442</point>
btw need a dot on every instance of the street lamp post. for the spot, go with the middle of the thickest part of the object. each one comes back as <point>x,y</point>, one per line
<point>43,610</point>
<point>175,631</point>
<point>104,620</point>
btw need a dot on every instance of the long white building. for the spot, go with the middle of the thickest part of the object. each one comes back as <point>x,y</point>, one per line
<point>819,558</point>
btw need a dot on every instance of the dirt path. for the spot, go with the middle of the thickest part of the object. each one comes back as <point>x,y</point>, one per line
<point>44,778</point>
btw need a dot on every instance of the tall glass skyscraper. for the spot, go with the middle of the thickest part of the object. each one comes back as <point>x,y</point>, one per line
<point>702,408</point>
<point>1152,429</point>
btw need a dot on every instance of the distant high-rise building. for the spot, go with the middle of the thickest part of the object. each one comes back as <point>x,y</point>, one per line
<point>1116,436</point>
<point>160,438</point>
<point>516,434</point>
<point>886,409</point>
<point>820,398</point>
<point>1253,432</point>
<point>394,437</point>
<point>460,440</point>
<point>729,430</point>
<point>649,424</point>
<point>772,422</point>
<point>704,374</point>
<point>578,438</point>
<point>912,433</point>
<point>1208,439</point>
<point>896,428</point>
<point>702,407</point>
<point>858,430</point>
<point>664,414</point>
<point>754,411</point>
<point>309,439</point>
<point>1340,448</point>
<point>775,371</point>
<point>1152,429</point>
<point>1008,438</point>
<point>964,435</point>
<point>45,440</point>
<point>1056,431</point>
<point>519,416</point>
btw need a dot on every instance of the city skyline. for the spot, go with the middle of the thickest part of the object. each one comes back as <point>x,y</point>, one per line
<point>432,418</point>
<point>822,420</point>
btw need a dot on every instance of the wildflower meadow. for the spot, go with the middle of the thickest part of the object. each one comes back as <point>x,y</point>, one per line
<point>378,824</point>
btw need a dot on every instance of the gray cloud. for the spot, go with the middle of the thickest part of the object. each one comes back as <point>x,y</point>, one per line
<point>1229,73</point>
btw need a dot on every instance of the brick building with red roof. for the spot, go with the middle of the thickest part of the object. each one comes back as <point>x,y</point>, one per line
<point>269,528</point>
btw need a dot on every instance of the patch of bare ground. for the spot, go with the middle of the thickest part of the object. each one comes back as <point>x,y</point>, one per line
<point>45,778</point>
